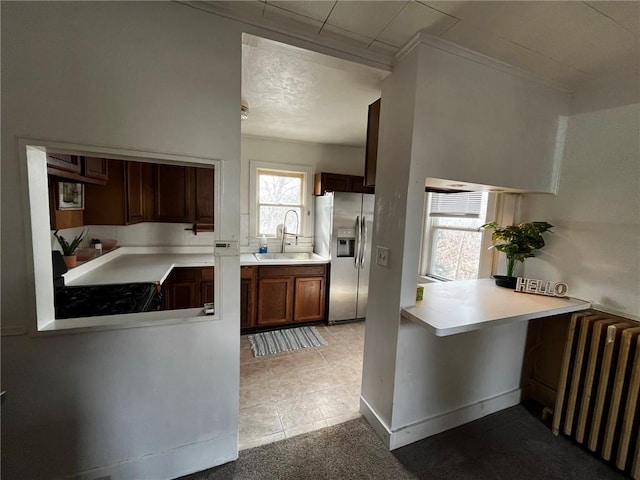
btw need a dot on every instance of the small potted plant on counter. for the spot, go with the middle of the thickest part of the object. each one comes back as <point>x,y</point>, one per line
<point>69,249</point>
<point>519,243</point>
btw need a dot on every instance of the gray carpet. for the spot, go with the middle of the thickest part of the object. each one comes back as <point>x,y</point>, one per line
<point>510,444</point>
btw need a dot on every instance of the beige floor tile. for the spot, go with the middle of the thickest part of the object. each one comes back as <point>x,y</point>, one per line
<point>255,393</point>
<point>342,418</point>
<point>296,392</point>
<point>298,412</point>
<point>256,442</point>
<point>292,432</point>
<point>253,372</point>
<point>259,421</point>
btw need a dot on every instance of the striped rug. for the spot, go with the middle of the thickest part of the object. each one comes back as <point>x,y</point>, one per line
<point>269,343</point>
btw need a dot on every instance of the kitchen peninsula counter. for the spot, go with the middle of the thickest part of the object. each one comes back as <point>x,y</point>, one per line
<point>153,264</point>
<point>450,308</point>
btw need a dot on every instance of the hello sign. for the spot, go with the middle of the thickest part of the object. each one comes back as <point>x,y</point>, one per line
<point>540,287</point>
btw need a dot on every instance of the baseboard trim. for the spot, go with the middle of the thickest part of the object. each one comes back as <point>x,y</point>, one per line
<point>438,423</point>
<point>169,464</point>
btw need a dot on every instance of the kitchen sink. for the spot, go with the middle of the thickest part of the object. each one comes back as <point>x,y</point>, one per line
<point>288,256</point>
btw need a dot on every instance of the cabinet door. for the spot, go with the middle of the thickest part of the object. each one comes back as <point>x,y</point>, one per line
<point>309,299</point>
<point>173,194</point>
<point>247,297</point>
<point>69,163</point>
<point>358,186</point>
<point>203,195</point>
<point>95,168</point>
<point>182,289</point>
<point>371,151</point>
<point>331,182</point>
<point>135,198</point>
<point>206,285</point>
<point>107,204</point>
<point>275,300</point>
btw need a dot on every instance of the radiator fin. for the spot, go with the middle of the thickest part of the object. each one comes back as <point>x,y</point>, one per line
<point>599,388</point>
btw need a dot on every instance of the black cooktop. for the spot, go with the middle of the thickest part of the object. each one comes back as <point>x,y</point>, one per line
<point>97,300</point>
<point>114,299</point>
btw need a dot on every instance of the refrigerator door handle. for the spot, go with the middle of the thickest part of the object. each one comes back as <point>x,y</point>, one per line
<point>363,240</point>
<point>356,256</point>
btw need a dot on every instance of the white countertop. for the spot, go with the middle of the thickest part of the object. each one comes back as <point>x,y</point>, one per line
<point>153,264</point>
<point>140,267</point>
<point>449,308</point>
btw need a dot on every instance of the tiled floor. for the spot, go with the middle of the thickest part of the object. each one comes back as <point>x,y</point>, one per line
<point>296,392</point>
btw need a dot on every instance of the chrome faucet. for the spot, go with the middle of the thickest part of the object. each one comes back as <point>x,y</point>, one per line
<point>284,229</point>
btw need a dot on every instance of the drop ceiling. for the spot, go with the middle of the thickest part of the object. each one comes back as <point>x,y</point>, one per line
<point>300,95</point>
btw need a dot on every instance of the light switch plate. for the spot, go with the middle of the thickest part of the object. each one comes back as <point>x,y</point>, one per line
<point>382,256</point>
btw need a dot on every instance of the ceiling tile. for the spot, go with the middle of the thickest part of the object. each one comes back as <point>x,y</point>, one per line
<point>318,10</point>
<point>351,38</point>
<point>491,45</point>
<point>364,18</point>
<point>626,14</point>
<point>292,21</point>
<point>412,19</point>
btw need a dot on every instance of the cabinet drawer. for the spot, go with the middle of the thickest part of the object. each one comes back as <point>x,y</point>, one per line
<point>292,271</point>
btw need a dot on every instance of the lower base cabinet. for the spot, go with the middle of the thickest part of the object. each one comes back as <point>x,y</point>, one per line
<point>281,295</point>
<point>187,287</point>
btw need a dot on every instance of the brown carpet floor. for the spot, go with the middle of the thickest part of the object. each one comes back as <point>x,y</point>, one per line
<point>511,444</point>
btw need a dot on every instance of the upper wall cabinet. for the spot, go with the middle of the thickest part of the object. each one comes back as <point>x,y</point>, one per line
<point>173,194</point>
<point>371,151</point>
<point>77,169</point>
<point>335,182</point>
<point>145,192</point>
<point>121,201</point>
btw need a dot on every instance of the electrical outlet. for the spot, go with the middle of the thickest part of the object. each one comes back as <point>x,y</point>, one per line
<point>382,256</point>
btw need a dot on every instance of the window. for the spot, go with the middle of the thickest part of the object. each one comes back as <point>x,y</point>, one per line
<point>279,192</point>
<point>274,189</point>
<point>452,247</point>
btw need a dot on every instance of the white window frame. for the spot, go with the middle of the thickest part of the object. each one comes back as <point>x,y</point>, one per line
<point>306,217</point>
<point>429,229</point>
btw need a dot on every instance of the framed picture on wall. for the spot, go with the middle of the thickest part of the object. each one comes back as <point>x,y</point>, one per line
<point>70,196</point>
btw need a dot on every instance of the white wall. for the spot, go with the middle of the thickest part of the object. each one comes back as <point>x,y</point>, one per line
<point>595,246</point>
<point>320,157</point>
<point>481,121</point>
<point>154,402</point>
<point>419,138</point>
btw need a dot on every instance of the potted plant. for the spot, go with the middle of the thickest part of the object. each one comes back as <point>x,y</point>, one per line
<point>519,242</point>
<point>69,249</point>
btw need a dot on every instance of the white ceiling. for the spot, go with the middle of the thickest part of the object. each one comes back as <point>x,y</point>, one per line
<point>302,96</point>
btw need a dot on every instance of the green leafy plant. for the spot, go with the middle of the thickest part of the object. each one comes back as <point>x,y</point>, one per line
<point>519,240</point>
<point>69,249</point>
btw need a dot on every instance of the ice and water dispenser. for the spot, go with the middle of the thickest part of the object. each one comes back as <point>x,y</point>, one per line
<point>346,242</point>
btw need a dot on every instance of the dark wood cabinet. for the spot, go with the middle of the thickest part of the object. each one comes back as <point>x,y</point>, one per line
<point>67,163</point>
<point>335,182</point>
<point>282,294</point>
<point>188,287</point>
<point>309,299</point>
<point>134,196</point>
<point>173,194</point>
<point>371,149</point>
<point>275,300</point>
<point>135,192</point>
<point>203,191</point>
<point>121,200</point>
<point>94,167</point>
<point>247,296</point>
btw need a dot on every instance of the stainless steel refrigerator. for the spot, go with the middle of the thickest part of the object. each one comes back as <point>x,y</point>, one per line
<point>343,225</point>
